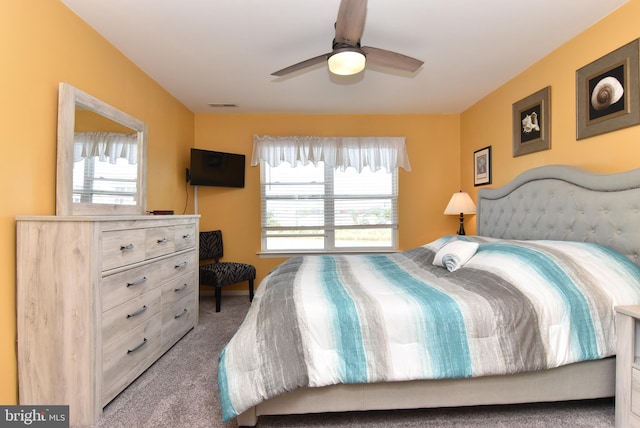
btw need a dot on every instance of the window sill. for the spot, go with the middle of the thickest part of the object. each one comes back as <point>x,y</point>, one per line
<point>287,254</point>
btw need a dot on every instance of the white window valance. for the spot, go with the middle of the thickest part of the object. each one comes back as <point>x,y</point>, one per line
<point>107,146</point>
<point>337,152</point>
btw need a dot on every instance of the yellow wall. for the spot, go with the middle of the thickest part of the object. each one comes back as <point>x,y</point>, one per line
<point>43,43</point>
<point>489,121</point>
<point>433,148</point>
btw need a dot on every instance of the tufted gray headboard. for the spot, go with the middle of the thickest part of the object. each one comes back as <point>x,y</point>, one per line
<point>565,203</point>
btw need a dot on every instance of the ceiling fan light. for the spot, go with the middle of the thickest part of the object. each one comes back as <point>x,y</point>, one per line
<point>347,62</point>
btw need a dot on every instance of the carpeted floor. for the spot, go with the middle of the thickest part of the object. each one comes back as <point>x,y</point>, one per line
<point>180,391</point>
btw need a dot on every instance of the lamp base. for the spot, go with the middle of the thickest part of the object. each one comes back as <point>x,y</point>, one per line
<point>461,230</point>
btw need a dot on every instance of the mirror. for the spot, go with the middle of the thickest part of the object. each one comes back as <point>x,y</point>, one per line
<point>101,157</point>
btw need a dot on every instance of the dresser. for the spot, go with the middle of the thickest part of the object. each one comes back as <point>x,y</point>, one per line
<point>628,366</point>
<point>99,299</point>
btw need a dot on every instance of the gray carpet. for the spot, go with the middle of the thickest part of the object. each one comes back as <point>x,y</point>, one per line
<point>180,390</point>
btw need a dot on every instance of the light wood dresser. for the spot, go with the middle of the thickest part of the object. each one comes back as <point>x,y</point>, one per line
<point>628,366</point>
<point>99,299</point>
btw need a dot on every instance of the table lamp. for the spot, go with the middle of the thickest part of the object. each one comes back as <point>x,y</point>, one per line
<point>462,204</point>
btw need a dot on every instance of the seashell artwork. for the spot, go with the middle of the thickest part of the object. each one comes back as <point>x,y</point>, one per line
<point>607,92</point>
<point>530,123</point>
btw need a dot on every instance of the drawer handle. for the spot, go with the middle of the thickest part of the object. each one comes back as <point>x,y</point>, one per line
<point>144,342</point>
<point>181,265</point>
<point>187,236</point>
<point>181,314</point>
<point>185,285</point>
<point>138,312</point>
<point>126,247</point>
<point>162,241</point>
<point>138,282</point>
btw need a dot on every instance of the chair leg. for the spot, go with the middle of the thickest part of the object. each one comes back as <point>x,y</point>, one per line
<point>251,290</point>
<point>218,297</point>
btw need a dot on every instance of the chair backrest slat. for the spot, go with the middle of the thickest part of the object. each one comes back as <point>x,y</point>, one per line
<point>211,245</point>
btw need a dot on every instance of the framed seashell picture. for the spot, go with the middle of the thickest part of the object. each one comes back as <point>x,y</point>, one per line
<point>482,166</point>
<point>532,123</point>
<point>607,94</point>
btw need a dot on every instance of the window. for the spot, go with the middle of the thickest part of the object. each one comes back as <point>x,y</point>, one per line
<point>329,193</point>
<point>322,208</point>
<point>105,168</point>
<point>104,182</point>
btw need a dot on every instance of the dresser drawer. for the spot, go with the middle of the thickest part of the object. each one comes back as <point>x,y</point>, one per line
<point>128,356</point>
<point>127,316</point>
<point>126,285</point>
<point>179,265</point>
<point>122,247</point>
<point>159,241</point>
<point>121,287</point>
<point>177,319</point>
<point>176,289</point>
<point>185,236</point>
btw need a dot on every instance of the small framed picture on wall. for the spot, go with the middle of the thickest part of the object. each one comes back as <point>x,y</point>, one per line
<point>532,123</point>
<point>482,166</point>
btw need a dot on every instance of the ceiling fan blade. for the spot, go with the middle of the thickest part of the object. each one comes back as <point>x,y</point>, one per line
<point>350,22</point>
<point>391,59</point>
<point>303,64</point>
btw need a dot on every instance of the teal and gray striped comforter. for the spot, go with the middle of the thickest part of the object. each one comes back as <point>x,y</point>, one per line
<point>516,306</point>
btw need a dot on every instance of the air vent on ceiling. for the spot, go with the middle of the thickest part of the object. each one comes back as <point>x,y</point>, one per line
<point>223,105</point>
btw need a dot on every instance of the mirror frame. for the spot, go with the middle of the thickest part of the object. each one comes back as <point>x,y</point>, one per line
<point>69,98</point>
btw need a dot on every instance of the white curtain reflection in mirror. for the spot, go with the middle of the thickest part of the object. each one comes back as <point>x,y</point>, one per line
<point>104,168</point>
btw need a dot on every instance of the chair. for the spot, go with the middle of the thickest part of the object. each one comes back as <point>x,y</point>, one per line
<point>218,274</point>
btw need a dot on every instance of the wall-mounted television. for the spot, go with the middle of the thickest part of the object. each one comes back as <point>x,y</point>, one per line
<point>209,168</point>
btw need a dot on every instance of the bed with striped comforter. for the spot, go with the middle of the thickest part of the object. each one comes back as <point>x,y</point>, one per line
<point>515,306</point>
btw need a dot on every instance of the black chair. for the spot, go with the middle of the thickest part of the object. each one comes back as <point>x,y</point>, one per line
<point>217,273</point>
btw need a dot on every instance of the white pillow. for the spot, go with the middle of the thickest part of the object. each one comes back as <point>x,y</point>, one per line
<point>455,254</point>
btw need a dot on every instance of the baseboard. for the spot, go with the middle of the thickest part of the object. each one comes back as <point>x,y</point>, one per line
<point>212,293</point>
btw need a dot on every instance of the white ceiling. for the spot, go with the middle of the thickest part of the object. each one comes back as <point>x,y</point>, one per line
<point>224,51</point>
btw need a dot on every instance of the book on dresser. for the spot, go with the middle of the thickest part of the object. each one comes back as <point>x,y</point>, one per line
<point>99,299</point>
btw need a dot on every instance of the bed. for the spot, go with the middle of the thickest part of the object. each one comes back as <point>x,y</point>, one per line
<point>569,216</point>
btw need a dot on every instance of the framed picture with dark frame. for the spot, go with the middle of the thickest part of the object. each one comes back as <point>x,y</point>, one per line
<point>607,95</point>
<point>482,166</point>
<point>532,123</point>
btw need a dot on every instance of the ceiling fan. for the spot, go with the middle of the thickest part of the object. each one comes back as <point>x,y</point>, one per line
<point>347,56</point>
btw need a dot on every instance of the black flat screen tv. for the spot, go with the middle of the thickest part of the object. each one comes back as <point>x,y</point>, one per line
<point>209,168</point>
